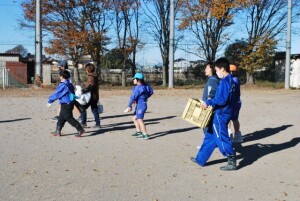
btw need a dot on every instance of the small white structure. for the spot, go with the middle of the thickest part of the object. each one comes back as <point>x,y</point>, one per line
<point>295,73</point>
<point>294,69</point>
<point>181,65</point>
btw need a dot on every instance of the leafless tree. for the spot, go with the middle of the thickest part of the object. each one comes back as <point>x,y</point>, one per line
<point>19,49</point>
<point>157,14</point>
<point>127,28</point>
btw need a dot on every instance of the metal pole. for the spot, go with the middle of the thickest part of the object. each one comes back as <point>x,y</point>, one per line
<point>171,46</point>
<point>3,78</point>
<point>288,47</point>
<point>38,40</point>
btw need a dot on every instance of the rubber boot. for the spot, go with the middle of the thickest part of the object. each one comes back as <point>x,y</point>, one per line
<point>231,165</point>
<point>57,132</point>
<point>80,130</point>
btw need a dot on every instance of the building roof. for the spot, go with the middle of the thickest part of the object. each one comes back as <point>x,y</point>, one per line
<point>9,55</point>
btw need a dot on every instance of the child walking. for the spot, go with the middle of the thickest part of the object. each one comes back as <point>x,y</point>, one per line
<point>92,86</point>
<point>140,94</point>
<point>236,137</point>
<point>62,92</point>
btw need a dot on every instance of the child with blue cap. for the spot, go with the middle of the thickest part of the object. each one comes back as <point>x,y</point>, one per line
<point>140,94</point>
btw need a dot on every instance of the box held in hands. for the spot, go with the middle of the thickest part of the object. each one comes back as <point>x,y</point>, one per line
<point>195,115</point>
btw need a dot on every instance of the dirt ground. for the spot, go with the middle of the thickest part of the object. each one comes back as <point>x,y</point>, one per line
<point>109,164</point>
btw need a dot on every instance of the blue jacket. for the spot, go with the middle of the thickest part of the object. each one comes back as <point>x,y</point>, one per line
<point>210,88</point>
<point>62,93</point>
<point>238,83</point>
<point>140,94</point>
<point>226,98</point>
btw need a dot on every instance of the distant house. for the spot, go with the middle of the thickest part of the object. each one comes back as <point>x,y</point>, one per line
<point>10,57</point>
<point>294,70</point>
<point>181,65</point>
<point>198,62</point>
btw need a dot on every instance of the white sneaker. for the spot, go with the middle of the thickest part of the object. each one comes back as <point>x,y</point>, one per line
<point>238,138</point>
<point>198,147</point>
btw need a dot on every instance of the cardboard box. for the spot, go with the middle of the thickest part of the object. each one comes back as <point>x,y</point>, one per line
<point>195,115</point>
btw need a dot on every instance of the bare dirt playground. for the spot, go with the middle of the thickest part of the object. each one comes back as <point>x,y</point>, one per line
<point>109,164</point>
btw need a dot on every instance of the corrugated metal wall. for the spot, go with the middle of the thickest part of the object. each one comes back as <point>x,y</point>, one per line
<point>18,72</point>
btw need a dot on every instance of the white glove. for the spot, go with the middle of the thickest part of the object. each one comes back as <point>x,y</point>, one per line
<point>48,104</point>
<point>128,109</point>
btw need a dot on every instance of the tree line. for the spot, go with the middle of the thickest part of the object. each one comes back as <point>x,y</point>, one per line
<point>106,28</point>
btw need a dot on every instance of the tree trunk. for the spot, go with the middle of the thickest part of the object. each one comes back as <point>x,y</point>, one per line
<point>165,71</point>
<point>123,78</point>
<point>133,68</point>
<point>76,74</point>
<point>250,79</point>
<point>164,78</point>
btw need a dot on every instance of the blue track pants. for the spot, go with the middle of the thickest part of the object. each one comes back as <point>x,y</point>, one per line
<point>217,136</point>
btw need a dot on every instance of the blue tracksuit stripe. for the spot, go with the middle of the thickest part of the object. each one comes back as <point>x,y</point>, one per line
<point>222,135</point>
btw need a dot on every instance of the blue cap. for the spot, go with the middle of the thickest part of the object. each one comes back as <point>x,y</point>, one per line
<point>139,76</point>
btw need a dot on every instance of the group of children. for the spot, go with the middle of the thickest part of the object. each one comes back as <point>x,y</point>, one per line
<point>65,93</point>
<point>140,94</point>
<point>222,92</point>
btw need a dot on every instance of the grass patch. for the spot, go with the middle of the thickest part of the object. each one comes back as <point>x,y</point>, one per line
<point>268,84</point>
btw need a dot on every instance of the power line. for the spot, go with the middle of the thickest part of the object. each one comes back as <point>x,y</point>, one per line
<point>8,5</point>
<point>15,43</point>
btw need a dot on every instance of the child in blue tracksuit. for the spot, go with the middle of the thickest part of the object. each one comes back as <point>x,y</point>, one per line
<point>212,83</point>
<point>209,92</point>
<point>236,137</point>
<point>62,92</point>
<point>140,94</point>
<point>223,103</point>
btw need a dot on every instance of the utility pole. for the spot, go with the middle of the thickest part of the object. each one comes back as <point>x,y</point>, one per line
<point>38,44</point>
<point>171,46</point>
<point>288,47</point>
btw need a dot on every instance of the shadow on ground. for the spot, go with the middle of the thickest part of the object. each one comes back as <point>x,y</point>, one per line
<point>13,120</point>
<point>251,153</point>
<point>174,131</point>
<point>267,132</point>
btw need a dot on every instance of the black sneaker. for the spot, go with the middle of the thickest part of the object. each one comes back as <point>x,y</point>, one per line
<point>136,134</point>
<point>145,137</point>
<point>193,159</point>
<point>81,132</point>
<point>84,125</point>
<point>56,133</point>
<point>96,126</point>
<point>55,118</point>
